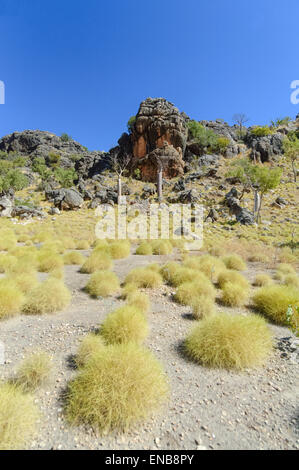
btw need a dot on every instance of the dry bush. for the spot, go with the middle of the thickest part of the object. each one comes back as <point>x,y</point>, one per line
<point>48,261</point>
<point>287,256</point>
<point>284,269</point>
<point>96,262</point>
<point>34,371</point>
<point>202,307</point>
<point>234,262</point>
<point>207,264</point>
<point>119,386</point>
<point>168,270</point>
<point>230,342</point>
<point>143,277</point>
<point>25,282</point>
<point>262,280</point>
<point>102,284</point>
<point>50,296</point>
<point>217,250</point>
<point>90,345</point>
<point>18,418</point>
<point>119,249</point>
<point>144,248</point>
<point>274,301</point>
<point>291,280</point>
<point>124,325</point>
<point>139,300</point>
<point>73,257</point>
<point>189,291</point>
<point>7,262</point>
<point>11,298</point>
<point>82,245</point>
<point>234,295</point>
<point>232,277</point>
<point>161,247</point>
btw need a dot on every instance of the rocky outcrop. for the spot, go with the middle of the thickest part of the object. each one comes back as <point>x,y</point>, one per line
<point>166,157</point>
<point>265,149</point>
<point>68,199</point>
<point>243,216</point>
<point>6,206</point>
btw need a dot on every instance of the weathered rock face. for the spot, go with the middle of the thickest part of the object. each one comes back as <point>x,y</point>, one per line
<point>167,156</point>
<point>243,216</point>
<point>265,149</point>
<point>159,121</point>
<point>69,199</point>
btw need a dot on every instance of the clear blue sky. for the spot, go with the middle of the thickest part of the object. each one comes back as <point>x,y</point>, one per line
<point>83,66</point>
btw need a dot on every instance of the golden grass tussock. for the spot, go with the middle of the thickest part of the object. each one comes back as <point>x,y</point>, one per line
<point>11,298</point>
<point>234,262</point>
<point>90,345</point>
<point>119,386</point>
<point>7,262</point>
<point>73,258</point>
<point>284,269</point>
<point>96,262</point>
<point>57,274</point>
<point>145,248</point>
<point>202,307</point>
<point>188,292</point>
<point>262,280</point>
<point>34,371</point>
<point>232,277</point>
<point>119,249</point>
<point>161,247</point>
<point>50,296</point>
<point>25,282</point>
<point>143,277</point>
<point>102,284</point>
<point>274,301</point>
<point>139,300</point>
<point>291,280</point>
<point>128,289</point>
<point>82,245</point>
<point>230,342</point>
<point>125,324</point>
<point>48,261</point>
<point>234,295</point>
<point>18,418</point>
<point>206,264</point>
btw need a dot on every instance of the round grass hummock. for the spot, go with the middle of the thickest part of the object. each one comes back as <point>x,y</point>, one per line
<point>102,284</point>
<point>11,298</point>
<point>233,277</point>
<point>144,248</point>
<point>202,307</point>
<point>119,249</point>
<point>97,260</point>
<point>73,258</point>
<point>90,345</point>
<point>139,300</point>
<point>119,386</point>
<point>34,371</point>
<point>188,292</point>
<point>161,247</point>
<point>230,342</point>
<point>18,417</point>
<point>234,295</point>
<point>262,280</point>
<point>124,325</point>
<point>48,261</point>
<point>50,296</point>
<point>234,262</point>
<point>143,277</point>
<point>274,301</point>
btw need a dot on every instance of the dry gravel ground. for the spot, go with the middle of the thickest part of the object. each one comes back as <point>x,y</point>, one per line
<point>208,409</point>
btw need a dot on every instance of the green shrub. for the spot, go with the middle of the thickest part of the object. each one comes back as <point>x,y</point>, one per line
<point>261,131</point>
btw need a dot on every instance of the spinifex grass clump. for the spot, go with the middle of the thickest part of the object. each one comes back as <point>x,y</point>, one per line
<point>90,345</point>
<point>232,277</point>
<point>82,245</point>
<point>189,292</point>
<point>234,262</point>
<point>143,277</point>
<point>161,247</point>
<point>291,280</point>
<point>25,282</point>
<point>97,260</point>
<point>230,342</point>
<point>34,371</point>
<point>145,248</point>
<point>11,298</point>
<point>119,249</point>
<point>274,302</point>
<point>139,300</point>
<point>18,417</point>
<point>234,295</point>
<point>48,261</point>
<point>50,296</point>
<point>202,307</point>
<point>7,262</point>
<point>207,264</point>
<point>262,280</point>
<point>102,284</point>
<point>124,325</point>
<point>119,386</point>
<point>73,257</point>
